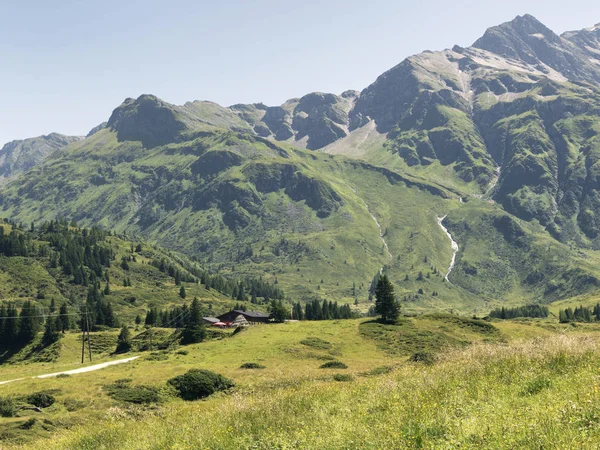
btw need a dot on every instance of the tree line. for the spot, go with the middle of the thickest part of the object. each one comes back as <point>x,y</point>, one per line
<point>19,328</point>
<point>520,311</point>
<point>580,314</point>
<point>322,310</point>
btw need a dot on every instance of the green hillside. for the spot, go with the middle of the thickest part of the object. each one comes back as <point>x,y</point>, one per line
<point>316,224</point>
<point>57,264</point>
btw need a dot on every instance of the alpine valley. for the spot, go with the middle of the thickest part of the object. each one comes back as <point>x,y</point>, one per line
<point>471,176</point>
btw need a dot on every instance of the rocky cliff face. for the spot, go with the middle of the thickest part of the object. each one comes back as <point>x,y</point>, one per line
<point>19,156</point>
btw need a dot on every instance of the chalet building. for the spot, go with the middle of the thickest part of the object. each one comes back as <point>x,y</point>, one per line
<point>250,316</point>
<point>210,320</point>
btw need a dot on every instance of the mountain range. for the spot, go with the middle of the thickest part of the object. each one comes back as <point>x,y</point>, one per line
<point>499,142</point>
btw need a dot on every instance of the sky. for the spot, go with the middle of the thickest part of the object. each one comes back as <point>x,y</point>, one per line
<point>66,64</point>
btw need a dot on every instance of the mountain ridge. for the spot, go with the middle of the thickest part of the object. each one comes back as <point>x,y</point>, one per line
<point>497,143</point>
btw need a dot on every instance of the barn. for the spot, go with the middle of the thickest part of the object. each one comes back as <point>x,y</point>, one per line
<point>250,316</point>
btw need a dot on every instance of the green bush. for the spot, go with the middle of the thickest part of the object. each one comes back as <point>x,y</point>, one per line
<point>334,365</point>
<point>343,377</point>
<point>63,375</point>
<point>7,407</point>
<point>193,335</point>
<point>122,391</point>
<point>28,424</point>
<point>41,399</point>
<point>73,404</point>
<point>199,383</point>
<point>252,365</point>
<point>157,356</point>
<point>423,357</point>
<point>182,352</point>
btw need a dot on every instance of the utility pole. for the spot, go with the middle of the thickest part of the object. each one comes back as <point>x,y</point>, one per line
<point>89,339</point>
<point>82,338</point>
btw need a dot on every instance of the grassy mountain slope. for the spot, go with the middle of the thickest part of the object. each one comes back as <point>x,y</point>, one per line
<point>35,277</point>
<point>316,223</point>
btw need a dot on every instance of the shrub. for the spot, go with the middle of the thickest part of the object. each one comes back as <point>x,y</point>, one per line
<point>157,356</point>
<point>182,352</point>
<point>122,391</point>
<point>28,424</point>
<point>7,407</point>
<point>317,343</point>
<point>63,375</point>
<point>41,399</point>
<point>199,383</point>
<point>334,365</point>
<point>73,404</point>
<point>423,357</point>
<point>193,335</point>
<point>251,365</point>
<point>343,377</point>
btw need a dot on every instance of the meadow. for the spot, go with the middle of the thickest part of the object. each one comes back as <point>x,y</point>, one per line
<point>502,384</point>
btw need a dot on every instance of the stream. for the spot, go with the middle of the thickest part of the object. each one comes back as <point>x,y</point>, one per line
<point>452,242</point>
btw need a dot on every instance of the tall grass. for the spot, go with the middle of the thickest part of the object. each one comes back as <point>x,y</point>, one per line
<point>537,394</point>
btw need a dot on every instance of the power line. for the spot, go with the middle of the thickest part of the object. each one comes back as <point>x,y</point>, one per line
<point>44,316</point>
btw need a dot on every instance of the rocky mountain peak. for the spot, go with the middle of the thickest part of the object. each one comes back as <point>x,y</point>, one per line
<point>147,119</point>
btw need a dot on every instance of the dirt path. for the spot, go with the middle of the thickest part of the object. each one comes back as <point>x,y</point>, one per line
<point>76,371</point>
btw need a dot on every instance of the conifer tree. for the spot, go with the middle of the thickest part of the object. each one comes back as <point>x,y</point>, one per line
<point>182,293</point>
<point>29,324</point>
<point>385,300</point>
<point>11,326</point>
<point>65,323</point>
<point>124,340</point>
<point>51,331</point>
<point>194,330</point>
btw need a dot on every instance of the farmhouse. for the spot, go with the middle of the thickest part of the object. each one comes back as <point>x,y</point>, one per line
<point>210,320</point>
<point>250,316</point>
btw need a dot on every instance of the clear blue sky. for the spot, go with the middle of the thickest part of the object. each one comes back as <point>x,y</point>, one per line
<point>66,64</point>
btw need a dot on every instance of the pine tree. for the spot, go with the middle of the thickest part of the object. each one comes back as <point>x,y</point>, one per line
<point>279,312</point>
<point>2,323</point>
<point>194,330</point>
<point>51,330</point>
<point>29,324</point>
<point>562,316</point>
<point>385,303</point>
<point>182,293</point>
<point>11,326</point>
<point>64,318</point>
<point>124,340</point>
<point>138,319</point>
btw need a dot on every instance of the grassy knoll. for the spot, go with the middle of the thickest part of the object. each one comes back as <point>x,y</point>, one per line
<point>485,387</point>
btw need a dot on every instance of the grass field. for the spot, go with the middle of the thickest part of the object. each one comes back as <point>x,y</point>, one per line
<point>509,384</point>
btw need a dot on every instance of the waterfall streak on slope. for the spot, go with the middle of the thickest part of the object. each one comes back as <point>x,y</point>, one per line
<point>452,242</point>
